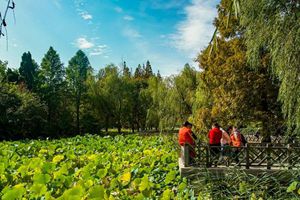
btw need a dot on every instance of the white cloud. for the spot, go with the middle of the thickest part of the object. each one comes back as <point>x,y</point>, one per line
<point>196,30</point>
<point>86,16</point>
<point>83,43</point>
<point>99,50</point>
<point>131,33</point>
<point>128,18</point>
<point>118,9</point>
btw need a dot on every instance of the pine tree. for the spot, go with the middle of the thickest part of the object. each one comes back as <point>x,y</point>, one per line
<point>158,75</point>
<point>138,72</point>
<point>148,70</point>
<point>29,71</point>
<point>51,85</point>
<point>126,71</point>
<point>77,73</point>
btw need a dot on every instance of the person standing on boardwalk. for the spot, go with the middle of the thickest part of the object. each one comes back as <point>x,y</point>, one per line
<point>225,144</point>
<point>186,136</point>
<point>236,142</point>
<point>215,136</point>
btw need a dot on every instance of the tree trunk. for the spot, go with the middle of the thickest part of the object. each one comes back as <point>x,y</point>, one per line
<point>106,123</point>
<point>138,126</point>
<point>77,113</point>
<point>119,125</point>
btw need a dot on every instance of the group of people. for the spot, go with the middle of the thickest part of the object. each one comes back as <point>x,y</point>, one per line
<point>220,140</point>
<point>219,137</point>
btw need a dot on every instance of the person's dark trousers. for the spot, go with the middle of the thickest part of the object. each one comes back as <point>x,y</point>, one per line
<point>215,150</point>
<point>192,156</point>
<point>235,154</point>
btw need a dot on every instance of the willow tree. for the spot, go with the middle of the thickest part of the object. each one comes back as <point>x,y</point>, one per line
<point>274,27</point>
<point>185,85</point>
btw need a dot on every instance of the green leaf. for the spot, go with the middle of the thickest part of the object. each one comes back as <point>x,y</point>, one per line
<point>14,193</point>
<point>23,169</point>
<point>102,173</point>
<point>144,183</point>
<point>167,195</point>
<point>74,193</point>
<point>243,187</point>
<point>292,187</point>
<point>58,158</point>
<point>97,192</point>
<point>48,167</point>
<point>2,168</point>
<point>170,177</point>
<point>38,189</point>
<point>114,183</point>
<point>41,178</point>
<point>182,187</point>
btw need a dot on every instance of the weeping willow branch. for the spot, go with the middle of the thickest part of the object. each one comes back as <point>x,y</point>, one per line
<point>3,24</point>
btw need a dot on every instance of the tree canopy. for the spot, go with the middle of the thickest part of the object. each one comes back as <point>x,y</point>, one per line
<point>273,27</point>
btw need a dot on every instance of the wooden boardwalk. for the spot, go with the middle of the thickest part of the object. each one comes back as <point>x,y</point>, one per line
<point>253,158</point>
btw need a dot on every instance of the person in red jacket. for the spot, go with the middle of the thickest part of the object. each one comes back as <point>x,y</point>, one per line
<point>186,136</point>
<point>215,136</point>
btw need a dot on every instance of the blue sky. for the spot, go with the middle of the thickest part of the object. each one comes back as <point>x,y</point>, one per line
<point>169,33</point>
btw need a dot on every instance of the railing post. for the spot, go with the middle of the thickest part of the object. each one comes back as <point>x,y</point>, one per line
<point>289,156</point>
<point>186,155</point>
<point>247,156</point>
<point>207,149</point>
<point>268,156</point>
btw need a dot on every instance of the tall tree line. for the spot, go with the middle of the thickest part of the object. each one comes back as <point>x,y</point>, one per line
<point>51,100</point>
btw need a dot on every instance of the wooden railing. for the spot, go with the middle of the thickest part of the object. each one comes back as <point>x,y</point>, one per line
<point>252,138</point>
<point>252,155</point>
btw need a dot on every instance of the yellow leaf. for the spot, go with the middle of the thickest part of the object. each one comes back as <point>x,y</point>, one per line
<point>126,177</point>
<point>92,157</point>
<point>58,158</point>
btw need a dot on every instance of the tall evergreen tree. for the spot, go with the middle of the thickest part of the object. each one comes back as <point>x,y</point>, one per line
<point>77,72</point>
<point>158,75</point>
<point>138,72</point>
<point>29,71</point>
<point>148,70</point>
<point>51,86</point>
<point>126,71</point>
